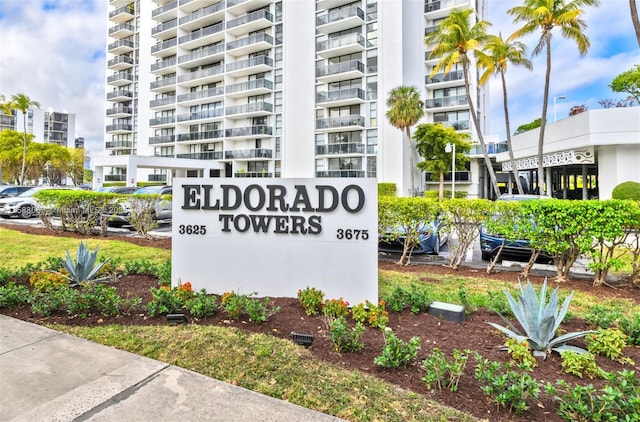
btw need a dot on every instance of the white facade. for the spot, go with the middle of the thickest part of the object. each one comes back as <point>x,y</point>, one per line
<point>266,88</point>
<point>47,126</point>
<point>601,143</point>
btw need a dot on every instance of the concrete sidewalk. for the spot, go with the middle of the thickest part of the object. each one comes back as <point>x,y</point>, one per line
<point>46,375</point>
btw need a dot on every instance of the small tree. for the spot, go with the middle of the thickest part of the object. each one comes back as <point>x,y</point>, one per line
<point>431,143</point>
<point>628,82</point>
<point>405,110</point>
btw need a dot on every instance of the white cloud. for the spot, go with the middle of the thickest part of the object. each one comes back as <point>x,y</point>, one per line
<point>583,80</point>
<point>56,57</point>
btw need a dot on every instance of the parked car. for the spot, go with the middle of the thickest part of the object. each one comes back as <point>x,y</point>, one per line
<point>162,209</point>
<point>23,205</point>
<point>430,239</point>
<point>125,190</point>
<point>517,249</point>
<point>10,191</point>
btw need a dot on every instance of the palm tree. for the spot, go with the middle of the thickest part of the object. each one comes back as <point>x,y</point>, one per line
<point>543,16</point>
<point>23,103</point>
<point>634,19</point>
<point>454,40</point>
<point>405,110</point>
<point>494,58</point>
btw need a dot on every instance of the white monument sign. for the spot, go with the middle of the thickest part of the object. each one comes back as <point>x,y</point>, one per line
<point>275,236</point>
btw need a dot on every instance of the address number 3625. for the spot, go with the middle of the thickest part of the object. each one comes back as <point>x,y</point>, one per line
<point>192,229</point>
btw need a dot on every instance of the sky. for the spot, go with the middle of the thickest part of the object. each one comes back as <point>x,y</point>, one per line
<point>53,51</point>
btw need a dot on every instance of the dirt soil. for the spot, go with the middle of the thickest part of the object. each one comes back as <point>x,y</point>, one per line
<point>474,334</point>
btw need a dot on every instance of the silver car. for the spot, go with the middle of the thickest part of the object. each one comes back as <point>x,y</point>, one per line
<point>23,205</point>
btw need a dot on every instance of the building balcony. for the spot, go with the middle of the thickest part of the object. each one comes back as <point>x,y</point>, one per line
<point>347,44</point>
<point>252,174</point>
<point>121,31</point>
<point>339,149</point>
<point>165,30</point>
<point>456,124</point>
<point>200,136</point>
<point>193,5</point>
<point>120,63</point>
<point>122,14</point>
<point>162,139</point>
<point>453,76</point>
<point>163,85</point>
<point>120,95</point>
<point>165,155</point>
<point>250,44</point>
<point>454,101</point>
<point>157,178</point>
<point>119,3</point>
<point>164,66</point>
<point>248,66</point>
<point>118,145</point>
<point>340,71</point>
<point>339,20</point>
<point>250,22</point>
<point>165,48</point>
<point>115,177</point>
<point>197,96</point>
<point>119,112</point>
<point>340,97</point>
<point>206,55</point>
<point>209,155</point>
<point>201,17</point>
<point>121,47</point>
<point>248,154</point>
<point>215,114</point>
<point>461,177</point>
<point>120,79</point>
<point>491,148</point>
<point>163,121</point>
<point>248,110</point>
<point>204,36</point>
<point>200,77</point>
<point>166,102</point>
<point>163,13</point>
<point>442,8</point>
<point>332,4</point>
<point>257,131</point>
<point>340,173</point>
<point>240,7</point>
<point>352,122</point>
<point>119,128</point>
<point>249,88</point>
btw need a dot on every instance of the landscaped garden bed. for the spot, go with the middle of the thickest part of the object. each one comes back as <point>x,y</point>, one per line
<point>470,287</point>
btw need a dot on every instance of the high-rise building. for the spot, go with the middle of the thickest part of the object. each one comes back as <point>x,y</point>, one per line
<point>272,88</point>
<point>47,126</point>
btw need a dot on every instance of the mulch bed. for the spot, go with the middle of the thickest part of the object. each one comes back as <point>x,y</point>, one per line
<point>474,334</point>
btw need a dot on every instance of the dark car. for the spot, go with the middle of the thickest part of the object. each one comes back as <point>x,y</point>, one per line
<point>9,191</point>
<point>517,249</point>
<point>430,239</point>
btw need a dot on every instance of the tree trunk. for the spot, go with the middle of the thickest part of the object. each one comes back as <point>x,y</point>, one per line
<point>543,120</point>
<point>476,122</point>
<point>410,152</point>
<point>441,187</point>
<point>24,149</point>
<point>514,168</point>
<point>634,19</point>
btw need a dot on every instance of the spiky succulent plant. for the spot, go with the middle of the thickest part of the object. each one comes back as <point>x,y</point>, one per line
<point>539,320</point>
<point>84,268</point>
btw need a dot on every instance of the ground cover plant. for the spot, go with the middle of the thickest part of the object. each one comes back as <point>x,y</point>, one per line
<point>349,384</point>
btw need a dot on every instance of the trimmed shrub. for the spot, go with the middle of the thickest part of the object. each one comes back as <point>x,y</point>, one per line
<point>627,190</point>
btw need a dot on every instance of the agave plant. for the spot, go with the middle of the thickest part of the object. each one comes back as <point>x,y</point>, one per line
<point>539,320</point>
<point>85,268</point>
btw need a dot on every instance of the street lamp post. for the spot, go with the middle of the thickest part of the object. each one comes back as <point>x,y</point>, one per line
<point>559,97</point>
<point>451,147</point>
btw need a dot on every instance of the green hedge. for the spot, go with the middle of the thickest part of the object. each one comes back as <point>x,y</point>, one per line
<point>387,189</point>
